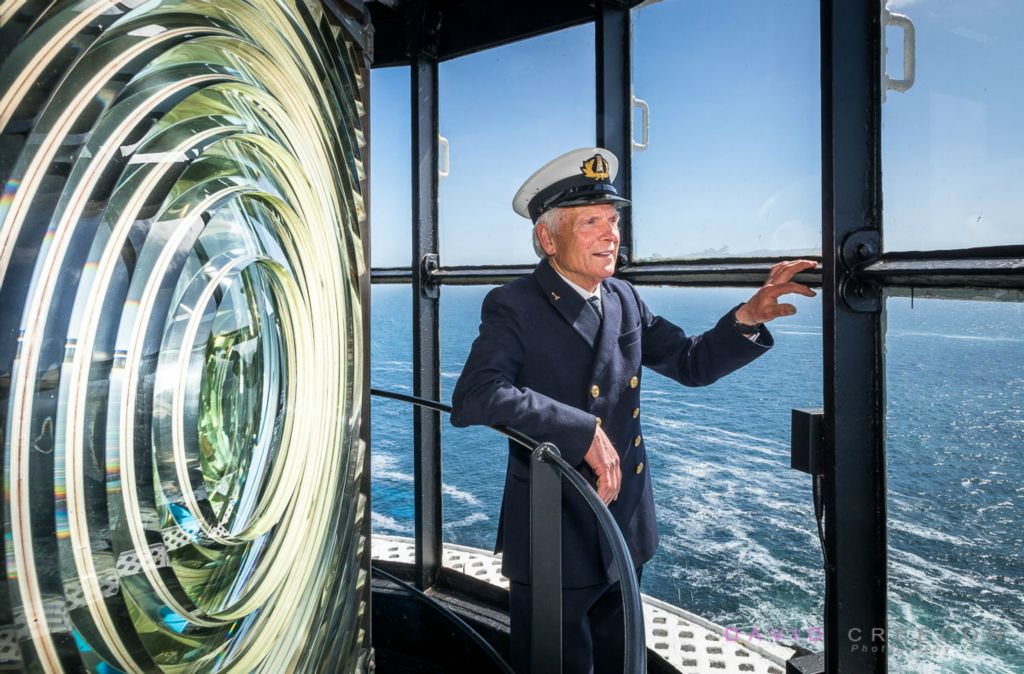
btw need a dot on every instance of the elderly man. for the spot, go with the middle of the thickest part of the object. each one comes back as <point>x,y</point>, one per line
<point>559,358</point>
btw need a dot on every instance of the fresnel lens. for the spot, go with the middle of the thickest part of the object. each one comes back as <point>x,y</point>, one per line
<point>181,369</point>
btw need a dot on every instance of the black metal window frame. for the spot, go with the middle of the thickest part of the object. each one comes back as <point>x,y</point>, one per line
<point>855,275</point>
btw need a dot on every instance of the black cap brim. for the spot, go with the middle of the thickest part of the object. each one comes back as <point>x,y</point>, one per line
<point>573,191</point>
<point>585,200</point>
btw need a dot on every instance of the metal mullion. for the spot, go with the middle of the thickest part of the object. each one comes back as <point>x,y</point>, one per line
<point>614,100</point>
<point>425,298</point>
<point>854,388</point>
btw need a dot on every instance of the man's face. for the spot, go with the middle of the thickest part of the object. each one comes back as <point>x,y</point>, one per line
<point>586,245</point>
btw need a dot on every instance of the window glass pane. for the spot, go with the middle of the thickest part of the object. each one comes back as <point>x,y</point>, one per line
<point>953,145</point>
<point>738,538</point>
<point>391,370</point>
<point>474,458</point>
<point>734,162</point>
<point>506,112</point>
<point>390,173</point>
<point>739,544</point>
<point>956,497</point>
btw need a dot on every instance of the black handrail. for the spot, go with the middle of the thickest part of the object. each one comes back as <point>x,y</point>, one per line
<point>523,439</point>
<point>635,661</point>
<point>636,647</point>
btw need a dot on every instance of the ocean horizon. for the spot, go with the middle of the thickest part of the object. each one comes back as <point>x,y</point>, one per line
<point>739,543</point>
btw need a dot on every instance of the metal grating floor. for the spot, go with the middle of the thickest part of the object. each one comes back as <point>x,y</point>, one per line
<point>690,643</point>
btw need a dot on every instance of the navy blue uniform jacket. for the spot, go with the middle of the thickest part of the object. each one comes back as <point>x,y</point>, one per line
<point>545,365</point>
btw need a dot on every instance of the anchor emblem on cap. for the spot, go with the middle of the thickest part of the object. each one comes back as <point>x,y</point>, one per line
<point>595,168</point>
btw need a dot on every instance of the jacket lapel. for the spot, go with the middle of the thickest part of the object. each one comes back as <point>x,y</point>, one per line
<point>608,339</point>
<point>568,303</point>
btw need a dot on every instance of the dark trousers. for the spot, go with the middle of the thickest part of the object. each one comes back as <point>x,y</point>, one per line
<point>592,628</point>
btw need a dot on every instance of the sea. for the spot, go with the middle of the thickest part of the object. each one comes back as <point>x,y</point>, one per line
<point>739,543</point>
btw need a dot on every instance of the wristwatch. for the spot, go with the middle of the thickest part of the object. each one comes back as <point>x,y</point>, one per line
<point>743,327</point>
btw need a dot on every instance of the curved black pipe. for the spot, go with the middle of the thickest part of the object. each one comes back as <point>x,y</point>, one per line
<point>443,610</point>
<point>635,647</point>
<point>521,438</point>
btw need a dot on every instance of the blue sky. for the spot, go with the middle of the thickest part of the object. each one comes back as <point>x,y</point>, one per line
<point>733,165</point>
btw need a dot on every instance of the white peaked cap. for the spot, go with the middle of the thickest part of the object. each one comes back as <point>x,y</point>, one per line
<point>576,178</point>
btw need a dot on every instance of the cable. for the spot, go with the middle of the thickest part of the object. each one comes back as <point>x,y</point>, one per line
<point>819,514</point>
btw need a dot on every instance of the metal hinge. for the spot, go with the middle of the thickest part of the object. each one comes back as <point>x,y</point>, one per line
<point>429,265</point>
<point>860,249</point>
<point>862,297</point>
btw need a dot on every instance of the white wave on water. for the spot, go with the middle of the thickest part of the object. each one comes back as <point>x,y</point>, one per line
<point>1002,505</point>
<point>654,394</point>
<point>967,642</point>
<point>393,476</point>
<point>749,512</point>
<point>382,467</point>
<point>698,406</point>
<point>928,533</point>
<point>718,514</point>
<point>676,431</point>
<point>939,579</point>
<point>796,332</point>
<point>460,495</point>
<point>387,524</point>
<point>688,425</point>
<point>394,364</point>
<point>466,521</point>
<point>798,326</point>
<point>940,335</point>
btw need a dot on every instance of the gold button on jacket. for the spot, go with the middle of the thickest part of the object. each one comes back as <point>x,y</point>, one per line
<point>595,391</point>
<point>634,382</point>
<point>639,467</point>
<point>636,412</point>
<point>636,442</point>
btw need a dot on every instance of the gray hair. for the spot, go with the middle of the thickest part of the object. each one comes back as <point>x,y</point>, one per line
<point>551,219</point>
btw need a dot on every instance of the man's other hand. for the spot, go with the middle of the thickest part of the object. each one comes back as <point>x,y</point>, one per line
<point>603,458</point>
<point>764,305</point>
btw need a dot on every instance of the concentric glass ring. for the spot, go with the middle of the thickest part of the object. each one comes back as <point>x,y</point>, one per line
<point>181,349</point>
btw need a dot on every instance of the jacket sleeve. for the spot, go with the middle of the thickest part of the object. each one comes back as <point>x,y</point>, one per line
<point>702,359</point>
<point>485,392</point>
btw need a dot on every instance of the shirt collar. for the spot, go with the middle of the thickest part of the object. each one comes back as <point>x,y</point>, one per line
<point>584,293</point>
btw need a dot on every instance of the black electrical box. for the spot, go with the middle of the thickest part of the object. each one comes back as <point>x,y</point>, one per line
<point>807,441</point>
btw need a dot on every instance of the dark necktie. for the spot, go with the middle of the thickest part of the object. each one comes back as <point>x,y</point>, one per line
<point>595,304</point>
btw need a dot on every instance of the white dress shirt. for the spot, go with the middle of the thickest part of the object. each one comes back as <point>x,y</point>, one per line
<point>584,293</point>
